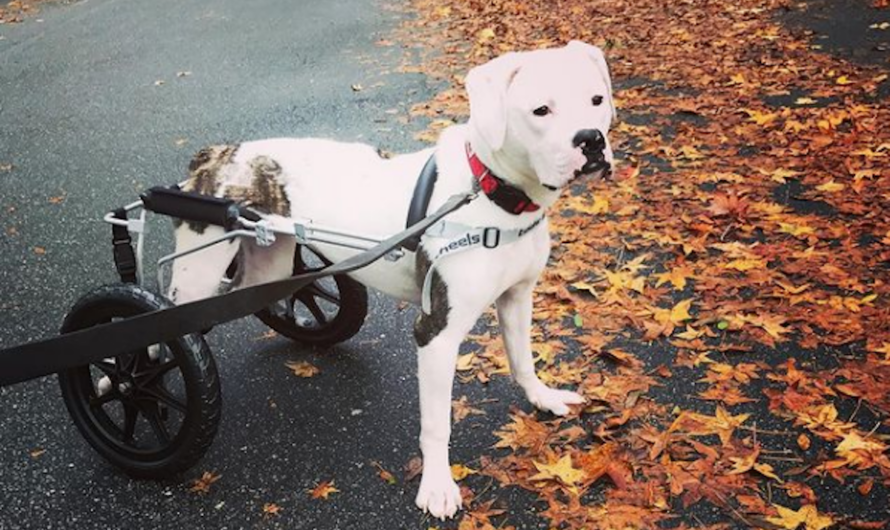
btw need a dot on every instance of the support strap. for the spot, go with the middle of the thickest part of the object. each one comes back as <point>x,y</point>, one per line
<point>124,257</point>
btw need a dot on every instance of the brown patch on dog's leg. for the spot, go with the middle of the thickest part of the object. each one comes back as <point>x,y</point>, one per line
<point>429,326</point>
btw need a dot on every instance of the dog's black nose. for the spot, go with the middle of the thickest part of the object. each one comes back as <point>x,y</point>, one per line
<point>590,141</point>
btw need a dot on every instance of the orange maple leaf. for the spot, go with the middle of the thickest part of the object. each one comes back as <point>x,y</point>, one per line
<point>323,490</point>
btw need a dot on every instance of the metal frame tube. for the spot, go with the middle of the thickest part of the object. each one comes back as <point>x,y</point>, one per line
<point>313,234</point>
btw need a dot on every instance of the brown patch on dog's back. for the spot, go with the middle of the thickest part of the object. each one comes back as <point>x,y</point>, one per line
<point>204,168</point>
<point>265,193</point>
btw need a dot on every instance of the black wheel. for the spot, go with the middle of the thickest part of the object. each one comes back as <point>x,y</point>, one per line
<point>328,311</point>
<point>152,412</point>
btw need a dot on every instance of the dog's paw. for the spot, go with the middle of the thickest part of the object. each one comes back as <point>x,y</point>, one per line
<point>439,494</point>
<point>552,399</point>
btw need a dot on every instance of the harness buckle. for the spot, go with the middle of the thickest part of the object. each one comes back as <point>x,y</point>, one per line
<point>491,237</point>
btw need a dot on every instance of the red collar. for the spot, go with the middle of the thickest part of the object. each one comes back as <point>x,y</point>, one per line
<point>508,197</point>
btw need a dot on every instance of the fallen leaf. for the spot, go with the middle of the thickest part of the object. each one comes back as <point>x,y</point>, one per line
<point>303,368</point>
<point>807,515</point>
<point>384,474</point>
<point>561,470</point>
<point>201,485</point>
<point>323,490</point>
<point>460,472</point>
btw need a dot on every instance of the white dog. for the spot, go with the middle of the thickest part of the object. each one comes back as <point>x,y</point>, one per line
<point>538,120</point>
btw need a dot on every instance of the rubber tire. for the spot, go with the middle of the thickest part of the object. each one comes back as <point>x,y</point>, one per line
<point>349,320</point>
<point>199,375</point>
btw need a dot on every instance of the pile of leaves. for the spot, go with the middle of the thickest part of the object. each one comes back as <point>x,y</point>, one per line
<point>16,11</point>
<point>723,303</point>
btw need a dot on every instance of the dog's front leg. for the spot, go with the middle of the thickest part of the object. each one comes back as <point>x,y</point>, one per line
<point>438,492</point>
<point>439,336</point>
<point>515,317</point>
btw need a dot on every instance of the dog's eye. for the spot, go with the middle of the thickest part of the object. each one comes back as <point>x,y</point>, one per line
<point>543,110</point>
<point>597,101</point>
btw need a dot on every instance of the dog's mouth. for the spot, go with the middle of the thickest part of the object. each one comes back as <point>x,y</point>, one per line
<point>594,165</point>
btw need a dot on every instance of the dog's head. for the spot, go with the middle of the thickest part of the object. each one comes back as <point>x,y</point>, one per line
<point>547,111</point>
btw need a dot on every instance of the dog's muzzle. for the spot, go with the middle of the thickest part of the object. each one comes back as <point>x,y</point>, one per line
<point>593,146</point>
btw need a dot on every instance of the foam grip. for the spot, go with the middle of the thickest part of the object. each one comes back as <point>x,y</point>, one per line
<point>190,206</point>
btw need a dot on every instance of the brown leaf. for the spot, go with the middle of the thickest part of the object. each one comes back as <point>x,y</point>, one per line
<point>302,368</point>
<point>202,484</point>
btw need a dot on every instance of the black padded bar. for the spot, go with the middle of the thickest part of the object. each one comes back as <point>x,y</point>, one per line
<point>190,206</point>
<point>420,200</point>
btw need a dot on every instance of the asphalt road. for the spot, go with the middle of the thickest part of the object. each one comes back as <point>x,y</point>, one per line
<point>86,123</point>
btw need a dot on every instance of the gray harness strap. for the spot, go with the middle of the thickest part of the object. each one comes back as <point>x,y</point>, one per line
<point>462,238</point>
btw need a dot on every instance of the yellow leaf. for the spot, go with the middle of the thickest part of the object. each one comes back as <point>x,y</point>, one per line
<point>804,101</point>
<point>807,515</point>
<point>690,333</point>
<point>795,230</point>
<point>466,362</point>
<point>761,118</point>
<point>485,35</point>
<point>745,264</point>
<point>680,312</point>
<point>600,205</point>
<point>677,276</point>
<point>843,80</point>
<point>460,472</point>
<point>691,152</point>
<point>831,186</point>
<point>767,471</point>
<point>562,470</point>
<point>780,175</point>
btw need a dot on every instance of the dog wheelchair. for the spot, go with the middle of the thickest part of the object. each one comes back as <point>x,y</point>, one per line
<point>153,411</point>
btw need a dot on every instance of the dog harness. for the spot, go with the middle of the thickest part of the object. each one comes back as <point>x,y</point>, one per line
<point>463,237</point>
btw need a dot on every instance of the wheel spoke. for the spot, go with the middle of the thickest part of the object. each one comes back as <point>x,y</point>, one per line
<point>98,401</point>
<point>161,394</point>
<point>310,303</point>
<point>317,290</point>
<point>155,372</point>
<point>130,415</point>
<point>130,363</point>
<point>153,415</point>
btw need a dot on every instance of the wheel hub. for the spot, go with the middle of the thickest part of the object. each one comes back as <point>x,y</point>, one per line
<point>126,388</point>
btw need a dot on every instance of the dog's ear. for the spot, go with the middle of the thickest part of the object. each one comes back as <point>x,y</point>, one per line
<point>487,89</point>
<point>599,59</point>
